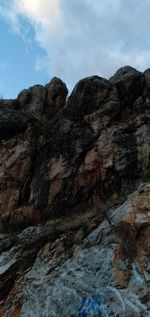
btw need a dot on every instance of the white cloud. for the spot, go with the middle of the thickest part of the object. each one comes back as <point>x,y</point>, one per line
<point>139,58</point>
<point>81,37</point>
<point>44,15</point>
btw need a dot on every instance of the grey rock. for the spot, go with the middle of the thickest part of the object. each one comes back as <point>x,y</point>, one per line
<point>56,93</point>
<point>91,282</point>
<point>130,84</point>
<point>124,73</point>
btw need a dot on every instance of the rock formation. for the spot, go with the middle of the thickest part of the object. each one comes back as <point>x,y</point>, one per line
<point>65,157</point>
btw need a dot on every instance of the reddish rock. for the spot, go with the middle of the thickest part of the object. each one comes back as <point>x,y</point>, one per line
<point>57,154</point>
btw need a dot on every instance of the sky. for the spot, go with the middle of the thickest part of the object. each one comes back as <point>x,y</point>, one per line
<point>70,39</point>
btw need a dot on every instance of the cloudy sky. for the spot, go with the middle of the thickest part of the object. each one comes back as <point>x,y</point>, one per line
<point>70,39</point>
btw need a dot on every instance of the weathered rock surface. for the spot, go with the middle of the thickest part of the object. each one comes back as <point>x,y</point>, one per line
<point>58,154</point>
<point>44,102</point>
<point>106,274</point>
<point>73,157</point>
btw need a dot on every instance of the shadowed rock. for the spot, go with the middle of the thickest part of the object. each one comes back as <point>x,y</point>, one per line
<point>44,102</point>
<point>11,121</point>
<point>62,153</point>
<point>64,165</point>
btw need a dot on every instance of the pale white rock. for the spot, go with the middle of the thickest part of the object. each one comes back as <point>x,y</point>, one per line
<point>86,284</point>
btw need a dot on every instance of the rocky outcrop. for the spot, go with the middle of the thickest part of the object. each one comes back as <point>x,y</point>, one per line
<point>44,102</point>
<point>58,154</point>
<point>105,274</point>
<point>66,165</point>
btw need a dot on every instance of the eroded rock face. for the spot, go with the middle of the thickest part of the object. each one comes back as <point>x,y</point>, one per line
<point>59,154</point>
<point>106,274</point>
<point>60,157</point>
<point>44,102</point>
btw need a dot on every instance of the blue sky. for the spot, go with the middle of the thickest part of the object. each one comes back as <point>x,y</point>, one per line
<point>70,39</point>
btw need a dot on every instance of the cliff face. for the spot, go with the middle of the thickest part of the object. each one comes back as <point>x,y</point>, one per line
<point>65,163</point>
<point>59,154</point>
<point>44,272</point>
